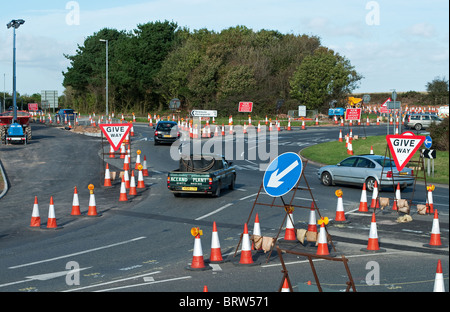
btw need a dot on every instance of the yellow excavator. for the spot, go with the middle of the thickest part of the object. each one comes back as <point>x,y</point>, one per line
<point>354,102</point>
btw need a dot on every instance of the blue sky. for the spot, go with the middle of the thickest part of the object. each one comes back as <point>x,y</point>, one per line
<point>394,44</point>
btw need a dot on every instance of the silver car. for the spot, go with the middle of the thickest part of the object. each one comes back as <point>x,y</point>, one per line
<point>360,169</point>
<point>421,121</point>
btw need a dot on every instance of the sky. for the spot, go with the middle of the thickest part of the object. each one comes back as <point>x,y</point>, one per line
<point>395,44</point>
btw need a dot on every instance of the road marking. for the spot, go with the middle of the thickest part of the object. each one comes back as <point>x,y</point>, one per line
<point>145,276</point>
<point>214,212</point>
<point>143,284</point>
<point>77,253</point>
<point>244,198</point>
<point>215,267</point>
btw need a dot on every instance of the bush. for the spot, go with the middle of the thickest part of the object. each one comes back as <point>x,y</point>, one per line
<point>439,134</point>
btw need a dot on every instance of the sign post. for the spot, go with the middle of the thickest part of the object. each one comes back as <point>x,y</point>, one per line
<point>403,147</point>
<point>115,133</point>
<point>282,174</point>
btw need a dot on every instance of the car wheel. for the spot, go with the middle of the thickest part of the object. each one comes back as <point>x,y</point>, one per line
<point>233,182</point>
<point>370,183</point>
<point>217,193</point>
<point>418,126</point>
<point>326,178</point>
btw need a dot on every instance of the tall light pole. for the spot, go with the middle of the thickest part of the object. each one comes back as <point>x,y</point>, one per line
<point>14,24</point>
<point>107,43</point>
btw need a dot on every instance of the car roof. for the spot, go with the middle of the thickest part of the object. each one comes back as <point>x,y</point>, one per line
<point>167,122</point>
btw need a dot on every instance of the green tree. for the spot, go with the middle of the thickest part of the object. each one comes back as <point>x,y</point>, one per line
<point>321,77</point>
<point>438,91</point>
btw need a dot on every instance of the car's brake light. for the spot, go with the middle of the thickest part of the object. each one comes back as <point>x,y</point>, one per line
<point>156,133</point>
<point>210,181</point>
<point>389,174</point>
<point>412,172</point>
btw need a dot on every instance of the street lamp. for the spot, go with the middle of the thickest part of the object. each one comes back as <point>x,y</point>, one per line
<point>14,24</point>
<point>107,43</point>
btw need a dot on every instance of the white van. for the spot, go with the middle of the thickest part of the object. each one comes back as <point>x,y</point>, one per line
<point>443,111</point>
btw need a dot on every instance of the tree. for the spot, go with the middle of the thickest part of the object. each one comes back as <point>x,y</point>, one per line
<point>322,77</point>
<point>438,91</point>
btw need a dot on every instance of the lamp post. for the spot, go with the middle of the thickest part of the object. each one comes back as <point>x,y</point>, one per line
<point>107,43</point>
<point>14,24</point>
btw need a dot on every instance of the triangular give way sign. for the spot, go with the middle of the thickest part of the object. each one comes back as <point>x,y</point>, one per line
<point>403,147</point>
<point>115,133</point>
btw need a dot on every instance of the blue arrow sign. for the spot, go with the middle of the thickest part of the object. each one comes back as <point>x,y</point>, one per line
<point>282,174</point>
<point>428,142</point>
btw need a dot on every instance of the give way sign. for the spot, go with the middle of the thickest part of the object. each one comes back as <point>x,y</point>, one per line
<point>115,133</point>
<point>403,147</point>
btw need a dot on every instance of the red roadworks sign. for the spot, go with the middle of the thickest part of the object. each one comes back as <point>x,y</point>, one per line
<point>353,114</point>
<point>403,147</point>
<point>245,107</point>
<point>115,133</point>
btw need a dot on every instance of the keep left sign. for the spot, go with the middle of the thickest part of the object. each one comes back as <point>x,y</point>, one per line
<point>403,147</point>
<point>115,133</point>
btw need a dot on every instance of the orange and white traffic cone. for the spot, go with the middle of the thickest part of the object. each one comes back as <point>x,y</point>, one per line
<point>373,245</point>
<point>439,279</point>
<point>430,207</point>
<point>303,125</point>
<point>35,217</point>
<point>133,191</point>
<point>216,253</point>
<point>126,163</point>
<point>51,221</point>
<point>256,230</point>
<point>312,226</point>
<point>363,201</point>
<point>107,181</point>
<point>140,184</point>
<point>371,150</point>
<point>205,288</point>
<point>111,152</point>
<point>197,259</point>
<point>75,203</point>
<point>126,177</point>
<point>122,151</point>
<point>397,197</point>
<point>435,239</point>
<point>375,203</point>
<point>340,214</point>
<point>123,191</point>
<point>92,210</point>
<point>350,147</point>
<point>340,136</point>
<point>289,233</point>
<point>144,167</point>
<point>285,287</point>
<point>138,159</point>
<point>322,246</point>
<point>246,253</point>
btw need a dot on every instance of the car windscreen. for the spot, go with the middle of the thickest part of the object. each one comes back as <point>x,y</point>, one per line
<point>165,126</point>
<point>386,162</point>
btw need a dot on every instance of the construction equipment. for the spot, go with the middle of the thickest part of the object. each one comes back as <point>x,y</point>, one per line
<point>18,130</point>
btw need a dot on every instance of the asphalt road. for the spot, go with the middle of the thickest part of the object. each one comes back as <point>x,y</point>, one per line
<point>145,245</point>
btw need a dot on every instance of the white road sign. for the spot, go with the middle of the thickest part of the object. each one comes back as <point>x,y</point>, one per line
<point>115,133</point>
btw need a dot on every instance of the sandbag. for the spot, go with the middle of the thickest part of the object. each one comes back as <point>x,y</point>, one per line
<point>421,209</point>
<point>384,202</point>
<point>267,243</point>
<point>405,218</point>
<point>301,234</point>
<point>311,236</point>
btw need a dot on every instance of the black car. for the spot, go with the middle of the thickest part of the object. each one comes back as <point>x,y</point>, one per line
<point>166,132</point>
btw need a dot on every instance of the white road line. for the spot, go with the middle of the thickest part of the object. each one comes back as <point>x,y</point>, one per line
<point>149,283</point>
<point>244,198</point>
<point>214,212</point>
<point>116,281</point>
<point>77,253</point>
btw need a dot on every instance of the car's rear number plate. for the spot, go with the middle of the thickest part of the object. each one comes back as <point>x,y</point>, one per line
<point>403,173</point>
<point>189,188</point>
<point>167,136</point>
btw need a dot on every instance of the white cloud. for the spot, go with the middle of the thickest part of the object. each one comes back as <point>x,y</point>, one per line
<point>422,30</point>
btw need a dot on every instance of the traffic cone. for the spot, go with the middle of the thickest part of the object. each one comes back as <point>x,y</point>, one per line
<point>303,125</point>
<point>144,167</point>
<point>435,239</point>
<point>126,177</point>
<point>197,260</point>
<point>340,136</point>
<point>107,181</point>
<point>363,200</point>
<point>289,234</point>
<point>350,147</point>
<point>430,208</point>
<point>132,191</point>
<point>340,215</point>
<point>138,159</point>
<point>256,230</point>
<point>375,201</point>
<point>35,217</point>
<point>397,198</point>
<point>322,247</point>
<point>246,253</point>
<point>439,279</point>
<point>140,184</point>
<point>205,288</point>
<point>51,221</point>
<point>312,226</point>
<point>122,151</point>
<point>92,211</point>
<point>285,287</point>
<point>373,244</point>
<point>111,152</point>
<point>123,191</point>
<point>75,203</point>
<point>371,150</point>
<point>216,254</point>
<point>126,163</point>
